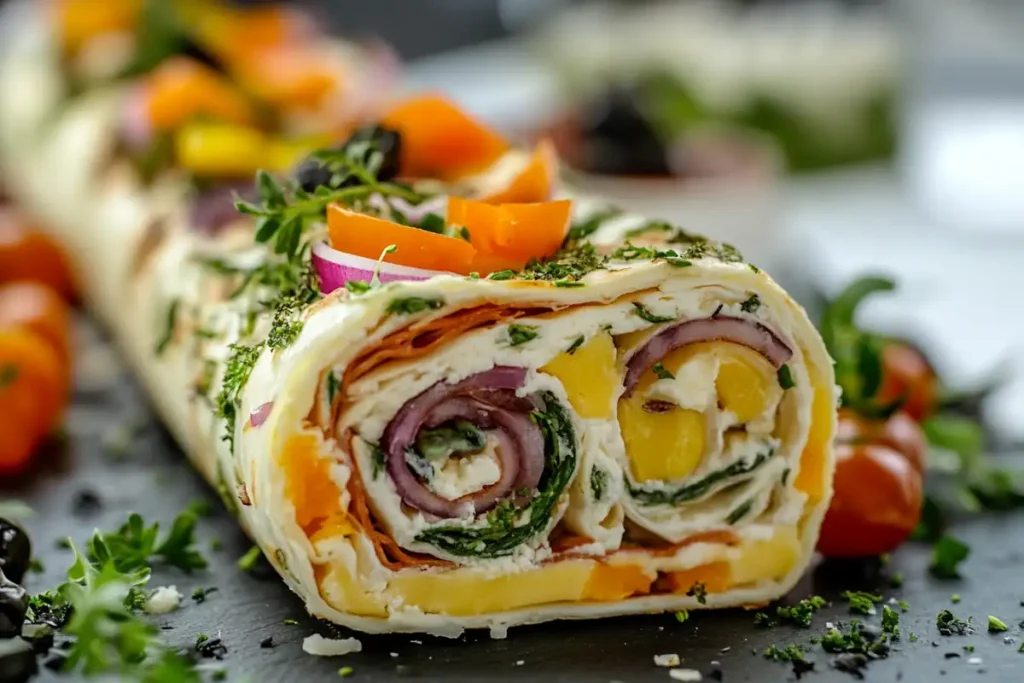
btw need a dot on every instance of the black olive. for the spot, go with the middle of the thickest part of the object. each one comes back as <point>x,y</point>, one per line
<point>618,139</point>
<point>311,174</point>
<point>17,661</point>
<point>15,550</point>
<point>13,606</point>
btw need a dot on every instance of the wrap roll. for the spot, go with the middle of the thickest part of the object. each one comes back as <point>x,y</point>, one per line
<point>639,423</point>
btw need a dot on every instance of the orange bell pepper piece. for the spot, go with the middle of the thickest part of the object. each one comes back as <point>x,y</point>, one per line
<point>439,140</point>
<point>182,88</point>
<point>368,236</point>
<point>535,183</point>
<point>79,21</point>
<point>291,77</point>
<point>512,232</point>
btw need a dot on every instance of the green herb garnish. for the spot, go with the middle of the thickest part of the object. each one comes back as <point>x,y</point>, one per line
<point>169,324</point>
<point>682,616</point>
<point>786,378</point>
<point>947,554</point>
<point>700,591</point>
<point>598,483</point>
<point>661,372</point>
<point>751,304</point>
<point>861,602</point>
<point>413,304</point>
<point>799,614</point>
<point>740,512</point>
<point>642,311</point>
<point>576,344</point>
<point>135,546</point>
<point>248,561</point>
<point>458,437</point>
<point>520,334</point>
<point>996,625</point>
<point>949,625</point>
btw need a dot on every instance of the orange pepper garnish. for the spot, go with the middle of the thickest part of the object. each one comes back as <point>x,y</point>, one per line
<point>535,183</point>
<point>368,236</point>
<point>512,233</point>
<point>439,140</point>
<point>292,77</point>
<point>182,88</point>
<point>79,21</point>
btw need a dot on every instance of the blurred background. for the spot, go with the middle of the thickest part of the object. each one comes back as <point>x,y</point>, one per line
<point>825,138</point>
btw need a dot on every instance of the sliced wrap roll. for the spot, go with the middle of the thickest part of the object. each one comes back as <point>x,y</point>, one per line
<point>640,423</point>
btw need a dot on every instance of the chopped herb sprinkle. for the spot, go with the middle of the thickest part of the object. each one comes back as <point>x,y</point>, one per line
<point>947,554</point>
<point>996,625</point>
<point>413,304</point>
<point>576,344</point>
<point>950,625</point>
<point>521,334</point>
<point>700,591</point>
<point>248,561</point>
<point>860,602</point>
<point>751,305</point>
<point>642,311</point>
<point>800,613</point>
<point>786,377</point>
<point>662,372</point>
<point>682,616</point>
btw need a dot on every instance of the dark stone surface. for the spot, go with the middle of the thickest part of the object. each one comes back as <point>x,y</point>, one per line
<point>155,480</point>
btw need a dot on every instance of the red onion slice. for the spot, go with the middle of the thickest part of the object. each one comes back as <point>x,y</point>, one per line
<point>260,414</point>
<point>749,333</point>
<point>487,400</point>
<point>334,268</point>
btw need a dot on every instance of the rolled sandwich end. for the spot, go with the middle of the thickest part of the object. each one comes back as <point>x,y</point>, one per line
<point>712,500</point>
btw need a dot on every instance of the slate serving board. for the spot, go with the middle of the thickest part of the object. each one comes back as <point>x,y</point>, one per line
<point>116,450</point>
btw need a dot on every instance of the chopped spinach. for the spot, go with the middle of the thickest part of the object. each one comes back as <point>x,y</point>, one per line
<point>688,492</point>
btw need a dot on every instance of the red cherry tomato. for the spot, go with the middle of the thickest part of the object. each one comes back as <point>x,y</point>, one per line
<point>879,486</point>
<point>907,375</point>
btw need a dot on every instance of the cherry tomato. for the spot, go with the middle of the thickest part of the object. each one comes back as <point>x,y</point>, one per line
<point>879,486</point>
<point>906,374</point>
<point>27,254</point>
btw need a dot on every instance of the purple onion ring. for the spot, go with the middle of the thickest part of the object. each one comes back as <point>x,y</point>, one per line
<point>489,401</point>
<point>748,333</point>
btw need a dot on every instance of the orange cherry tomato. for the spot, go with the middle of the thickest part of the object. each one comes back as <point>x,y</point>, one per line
<point>182,88</point>
<point>906,374</point>
<point>439,140</point>
<point>900,432</point>
<point>879,487</point>
<point>27,254</point>
<point>512,232</point>
<point>38,308</point>
<point>368,236</point>
<point>33,394</point>
<point>535,183</point>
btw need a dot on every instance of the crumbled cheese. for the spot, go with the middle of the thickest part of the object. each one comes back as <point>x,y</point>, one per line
<point>163,600</point>
<point>461,476</point>
<point>686,675</point>
<point>319,646</point>
<point>667,660</point>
